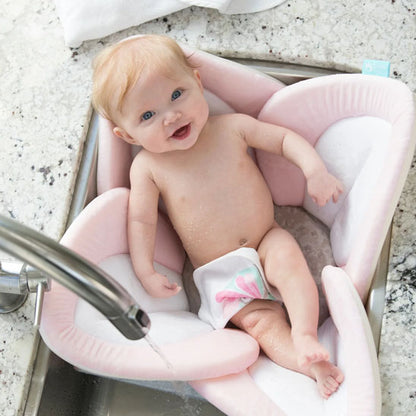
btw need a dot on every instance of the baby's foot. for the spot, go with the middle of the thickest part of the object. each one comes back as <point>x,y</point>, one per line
<point>309,350</point>
<point>328,377</point>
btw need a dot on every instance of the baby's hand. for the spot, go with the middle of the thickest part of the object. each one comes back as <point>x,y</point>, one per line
<point>158,286</point>
<point>322,186</point>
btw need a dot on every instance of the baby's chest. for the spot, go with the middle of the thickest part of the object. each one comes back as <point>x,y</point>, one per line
<point>219,172</point>
<point>218,187</point>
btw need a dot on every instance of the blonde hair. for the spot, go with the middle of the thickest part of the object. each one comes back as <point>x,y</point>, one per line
<point>118,68</point>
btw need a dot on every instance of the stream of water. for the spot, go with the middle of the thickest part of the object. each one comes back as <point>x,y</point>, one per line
<point>179,387</point>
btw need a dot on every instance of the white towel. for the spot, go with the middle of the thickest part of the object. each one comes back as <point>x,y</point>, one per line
<point>83,20</point>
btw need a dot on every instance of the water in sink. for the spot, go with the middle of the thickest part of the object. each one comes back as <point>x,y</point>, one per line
<point>68,392</point>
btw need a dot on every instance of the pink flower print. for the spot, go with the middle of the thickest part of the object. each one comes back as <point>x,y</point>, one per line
<point>228,295</point>
<point>245,285</point>
<point>230,307</point>
<point>249,283</point>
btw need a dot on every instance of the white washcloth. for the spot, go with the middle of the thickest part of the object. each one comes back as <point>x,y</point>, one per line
<point>83,20</point>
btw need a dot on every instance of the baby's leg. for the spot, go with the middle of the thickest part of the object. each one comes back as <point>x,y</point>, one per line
<point>266,321</point>
<point>286,269</point>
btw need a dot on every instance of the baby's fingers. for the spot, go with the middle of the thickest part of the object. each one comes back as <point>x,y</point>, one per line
<point>171,289</point>
<point>339,189</point>
<point>335,196</point>
<point>320,201</point>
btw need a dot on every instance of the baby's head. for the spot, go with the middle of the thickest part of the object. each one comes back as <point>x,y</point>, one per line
<point>153,96</point>
<point>118,68</point>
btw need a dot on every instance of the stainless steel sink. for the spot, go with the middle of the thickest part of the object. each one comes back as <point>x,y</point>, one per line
<point>62,391</point>
<point>57,389</point>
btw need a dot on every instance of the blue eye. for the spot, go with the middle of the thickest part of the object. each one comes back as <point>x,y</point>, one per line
<point>147,115</point>
<point>176,94</point>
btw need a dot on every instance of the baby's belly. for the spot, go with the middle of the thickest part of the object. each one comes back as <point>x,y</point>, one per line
<point>212,229</point>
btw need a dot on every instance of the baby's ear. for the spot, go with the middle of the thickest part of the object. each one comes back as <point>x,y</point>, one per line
<point>122,134</point>
<point>198,79</point>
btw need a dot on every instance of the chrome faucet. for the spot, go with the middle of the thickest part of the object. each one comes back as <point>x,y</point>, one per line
<point>48,258</point>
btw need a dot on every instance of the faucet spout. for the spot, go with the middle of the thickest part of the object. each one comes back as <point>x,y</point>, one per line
<point>77,274</point>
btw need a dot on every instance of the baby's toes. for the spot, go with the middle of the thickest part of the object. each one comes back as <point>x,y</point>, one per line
<point>331,384</point>
<point>339,377</point>
<point>325,393</point>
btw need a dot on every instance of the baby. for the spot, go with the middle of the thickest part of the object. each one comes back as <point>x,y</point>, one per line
<point>215,196</point>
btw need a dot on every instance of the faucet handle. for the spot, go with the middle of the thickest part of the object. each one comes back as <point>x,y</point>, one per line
<point>34,277</point>
<point>40,291</point>
<point>36,282</point>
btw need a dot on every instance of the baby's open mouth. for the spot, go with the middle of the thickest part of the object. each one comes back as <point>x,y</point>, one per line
<point>182,132</point>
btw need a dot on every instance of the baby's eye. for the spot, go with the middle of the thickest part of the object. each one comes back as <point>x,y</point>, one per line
<point>147,115</point>
<point>176,94</point>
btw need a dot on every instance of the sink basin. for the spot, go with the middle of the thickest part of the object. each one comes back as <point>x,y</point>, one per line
<point>58,389</point>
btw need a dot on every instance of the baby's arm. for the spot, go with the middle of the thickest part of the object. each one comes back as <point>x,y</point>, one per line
<point>142,223</point>
<point>321,185</point>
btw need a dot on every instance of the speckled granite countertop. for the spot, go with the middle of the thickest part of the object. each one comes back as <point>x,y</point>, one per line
<point>45,110</point>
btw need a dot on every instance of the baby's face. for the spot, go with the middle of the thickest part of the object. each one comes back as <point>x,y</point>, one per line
<point>164,113</point>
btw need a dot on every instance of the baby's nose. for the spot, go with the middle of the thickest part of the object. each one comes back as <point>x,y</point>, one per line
<point>172,117</point>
